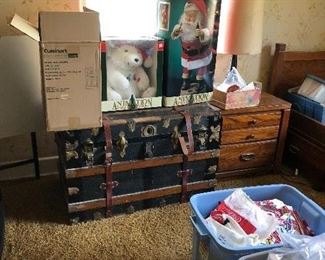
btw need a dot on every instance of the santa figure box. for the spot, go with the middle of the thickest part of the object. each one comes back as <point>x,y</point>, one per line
<point>189,28</point>
<point>132,73</point>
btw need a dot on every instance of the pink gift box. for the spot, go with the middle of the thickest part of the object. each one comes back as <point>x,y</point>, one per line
<point>237,99</point>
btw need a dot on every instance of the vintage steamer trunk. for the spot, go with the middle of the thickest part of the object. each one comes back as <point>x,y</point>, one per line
<point>138,160</point>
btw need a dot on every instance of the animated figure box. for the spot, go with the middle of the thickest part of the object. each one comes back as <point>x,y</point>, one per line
<point>132,73</point>
<point>190,32</point>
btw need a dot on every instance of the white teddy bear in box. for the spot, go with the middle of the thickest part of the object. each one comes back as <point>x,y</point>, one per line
<point>126,75</point>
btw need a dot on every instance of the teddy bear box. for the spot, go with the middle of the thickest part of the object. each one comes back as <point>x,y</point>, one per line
<point>131,73</point>
<point>174,68</point>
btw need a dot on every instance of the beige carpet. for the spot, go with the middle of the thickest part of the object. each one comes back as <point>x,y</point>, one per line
<point>35,227</point>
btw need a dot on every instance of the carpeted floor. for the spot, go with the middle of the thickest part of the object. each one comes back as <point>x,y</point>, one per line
<point>36,229</point>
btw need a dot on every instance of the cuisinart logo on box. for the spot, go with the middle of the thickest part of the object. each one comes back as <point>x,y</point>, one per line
<point>55,50</point>
<point>60,63</point>
<point>60,52</point>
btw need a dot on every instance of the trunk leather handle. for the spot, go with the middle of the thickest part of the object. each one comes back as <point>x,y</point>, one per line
<point>187,149</point>
<point>108,167</point>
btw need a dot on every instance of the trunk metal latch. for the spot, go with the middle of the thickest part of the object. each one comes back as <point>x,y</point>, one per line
<point>122,144</point>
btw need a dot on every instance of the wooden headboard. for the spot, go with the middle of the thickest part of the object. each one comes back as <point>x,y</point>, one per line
<point>289,68</point>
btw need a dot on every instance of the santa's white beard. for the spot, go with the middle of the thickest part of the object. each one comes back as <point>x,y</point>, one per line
<point>188,32</point>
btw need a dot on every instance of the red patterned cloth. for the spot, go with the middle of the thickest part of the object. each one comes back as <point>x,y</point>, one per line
<point>289,220</point>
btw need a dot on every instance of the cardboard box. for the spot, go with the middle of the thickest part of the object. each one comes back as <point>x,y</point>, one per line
<point>132,73</point>
<point>185,50</point>
<point>237,99</point>
<point>70,67</point>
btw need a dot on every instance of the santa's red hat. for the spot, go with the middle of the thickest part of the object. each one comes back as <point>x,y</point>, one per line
<point>196,5</point>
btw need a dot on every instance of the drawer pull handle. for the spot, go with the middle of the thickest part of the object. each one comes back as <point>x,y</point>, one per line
<point>251,136</point>
<point>252,122</point>
<point>293,149</point>
<point>247,156</point>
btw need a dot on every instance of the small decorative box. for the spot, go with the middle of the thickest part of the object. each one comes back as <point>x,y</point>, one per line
<point>237,99</point>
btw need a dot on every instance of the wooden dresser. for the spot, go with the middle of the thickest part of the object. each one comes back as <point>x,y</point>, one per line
<point>305,149</point>
<point>305,146</point>
<point>252,139</point>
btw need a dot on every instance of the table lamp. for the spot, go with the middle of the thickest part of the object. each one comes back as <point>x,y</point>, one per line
<point>240,28</point>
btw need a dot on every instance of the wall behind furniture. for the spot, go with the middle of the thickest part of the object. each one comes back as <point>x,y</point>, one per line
<point>298,23</point>
<point>21,109</point>
<point>28,9</point>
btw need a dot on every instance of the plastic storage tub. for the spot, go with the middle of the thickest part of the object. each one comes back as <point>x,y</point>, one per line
<point>306,106</point>
<point>207,246</point>
<point>257,256</point>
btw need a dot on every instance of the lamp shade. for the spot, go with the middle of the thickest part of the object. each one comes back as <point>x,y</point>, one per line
<point>240,27</point>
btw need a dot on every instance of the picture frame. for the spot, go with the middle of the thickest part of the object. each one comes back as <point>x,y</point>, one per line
<point>164,14</point>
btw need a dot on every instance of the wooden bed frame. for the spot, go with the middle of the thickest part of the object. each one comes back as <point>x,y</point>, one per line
<point>306,137</point>
<point>290,68</point>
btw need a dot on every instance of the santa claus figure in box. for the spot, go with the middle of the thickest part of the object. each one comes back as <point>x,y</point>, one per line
<point>195,40</point>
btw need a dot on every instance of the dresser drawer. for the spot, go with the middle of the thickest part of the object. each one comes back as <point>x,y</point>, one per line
<point>249,134</point>
<point>250,120</point>
<point>241,156</point>
<point>301,151</point>
<point>307,157</point>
